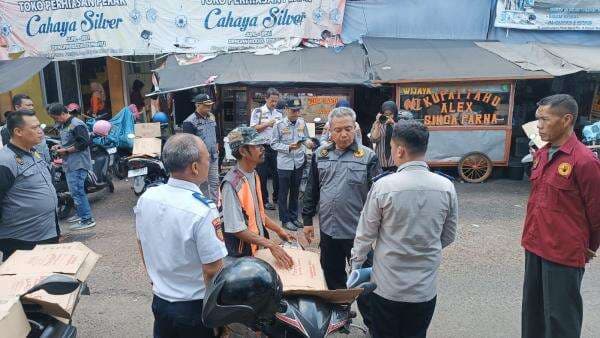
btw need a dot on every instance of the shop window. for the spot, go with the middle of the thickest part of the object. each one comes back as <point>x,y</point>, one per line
<point>95,90</point>
<point>50,84</point>
<point>68,82</point>
<point>60,83</point>
<point>235,110</point>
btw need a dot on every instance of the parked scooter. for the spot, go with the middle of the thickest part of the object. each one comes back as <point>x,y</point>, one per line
<point>249,292</point>
<point>149,171</point>
<point>591,137</point>
<point>45,325</point>
<point>146,172</point>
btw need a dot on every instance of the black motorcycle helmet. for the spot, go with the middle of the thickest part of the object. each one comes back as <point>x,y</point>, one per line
<point>247,291</point>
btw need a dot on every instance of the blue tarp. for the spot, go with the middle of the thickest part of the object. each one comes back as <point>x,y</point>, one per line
<point>122,125</point>
<point>416,19</point>
<point>443,19</point>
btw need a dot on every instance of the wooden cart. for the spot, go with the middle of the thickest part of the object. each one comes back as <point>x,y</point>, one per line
<point>470,123</point>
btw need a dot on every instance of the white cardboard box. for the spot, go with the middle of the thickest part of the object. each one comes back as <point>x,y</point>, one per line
<point>13,322</point>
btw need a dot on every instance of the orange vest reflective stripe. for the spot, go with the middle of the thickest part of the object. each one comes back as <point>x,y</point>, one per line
<point>247,203</point>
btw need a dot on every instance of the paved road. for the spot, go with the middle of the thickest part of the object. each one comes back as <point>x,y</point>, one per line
<point>479,286</point>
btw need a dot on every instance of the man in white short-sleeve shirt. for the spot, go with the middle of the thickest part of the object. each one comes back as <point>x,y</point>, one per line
<point>180,238</point>
<point>262,119</point>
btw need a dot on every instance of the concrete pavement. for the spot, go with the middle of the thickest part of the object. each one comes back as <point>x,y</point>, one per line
<point>479,293</point>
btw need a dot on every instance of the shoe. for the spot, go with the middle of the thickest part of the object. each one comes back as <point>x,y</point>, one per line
<point>289,226</point>
<point>90,223</point>
<point>298,224</point>
<point>73,219</point>
<point>269,206</point>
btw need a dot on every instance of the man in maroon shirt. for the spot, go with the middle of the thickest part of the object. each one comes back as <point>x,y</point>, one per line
<point>562,226</point>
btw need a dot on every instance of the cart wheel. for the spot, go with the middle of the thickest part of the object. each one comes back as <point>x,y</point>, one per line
<point>475,167</point>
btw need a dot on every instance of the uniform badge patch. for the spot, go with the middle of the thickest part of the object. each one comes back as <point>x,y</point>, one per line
<point>218,225</point>
<point>324,152</point>
<point>359,153</point>
<point>19,160</point>
<point>36,155</point>
<point>564,169</point>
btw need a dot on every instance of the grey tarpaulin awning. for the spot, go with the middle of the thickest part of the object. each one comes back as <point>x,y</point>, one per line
<point>555,59</point>
<point>15,72</point>
<point>309,65</point>
<point>414,60</point>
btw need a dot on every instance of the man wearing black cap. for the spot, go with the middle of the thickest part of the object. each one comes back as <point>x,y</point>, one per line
<point>290,139</point>
<point>203,124</point>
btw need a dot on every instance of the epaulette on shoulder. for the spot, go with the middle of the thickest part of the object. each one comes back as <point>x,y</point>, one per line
<point>384,174</point>
<point>206,201</point>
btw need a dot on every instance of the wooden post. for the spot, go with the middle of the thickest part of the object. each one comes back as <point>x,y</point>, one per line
<point>115,83</point>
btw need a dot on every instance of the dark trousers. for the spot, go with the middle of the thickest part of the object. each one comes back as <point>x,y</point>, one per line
<point>335,253</point>
<point>179,319</point>
<point>8,245</point>
<point>399,319</point>
<point>287,198</point>
<point>552,305</point>
<point>268,169</point>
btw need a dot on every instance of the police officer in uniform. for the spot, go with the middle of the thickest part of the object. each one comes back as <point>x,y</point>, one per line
<point>408,218</point>
<point>27,197</point>
<point>203,124</point>
<point>339,180</point>
<point>290,140</point>
<point>24,102</point>
<point>180,238</point>
<point>244,217</point>
<point>263,119</point>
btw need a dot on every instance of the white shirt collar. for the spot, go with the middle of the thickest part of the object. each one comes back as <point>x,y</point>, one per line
<point>177,183</point>
<point>422,164</point>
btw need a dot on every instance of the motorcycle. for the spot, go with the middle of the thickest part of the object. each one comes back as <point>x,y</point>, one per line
<point>43,324</point>
<point>146,172</point>
<point>591,137</point>
<point>297,316</point>
<point>98,179</point>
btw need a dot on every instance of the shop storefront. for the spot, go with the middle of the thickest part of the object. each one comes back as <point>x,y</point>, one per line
<point>320,77</point>
<point>76,81</point>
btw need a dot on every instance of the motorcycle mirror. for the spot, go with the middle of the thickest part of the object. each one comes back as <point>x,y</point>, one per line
<point>369,135</point>
<point>367,287</point>
<point>43,126</point>
<point>131,136</point>
<point>56,285</point>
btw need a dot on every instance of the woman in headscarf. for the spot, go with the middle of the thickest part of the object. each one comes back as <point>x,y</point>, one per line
<point>381,134</point>
<point>97,100</point>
